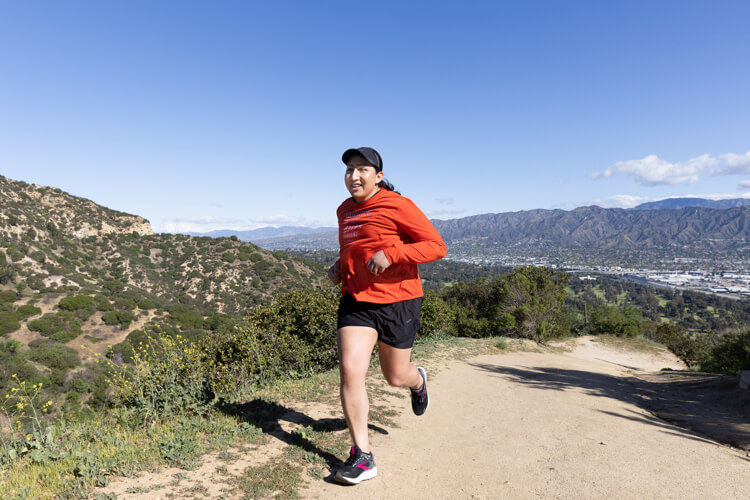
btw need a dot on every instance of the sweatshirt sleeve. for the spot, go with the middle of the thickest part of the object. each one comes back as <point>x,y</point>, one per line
<point>427,245</point>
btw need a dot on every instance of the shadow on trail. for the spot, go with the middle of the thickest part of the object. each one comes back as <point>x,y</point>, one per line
<point>268,416</point>
<point>707,404</point>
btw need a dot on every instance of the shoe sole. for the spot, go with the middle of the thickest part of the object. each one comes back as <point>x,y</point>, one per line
<point>424,376</point>
<point>368,474</point>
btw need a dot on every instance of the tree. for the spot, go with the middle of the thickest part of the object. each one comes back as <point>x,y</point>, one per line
<point>535,298</point>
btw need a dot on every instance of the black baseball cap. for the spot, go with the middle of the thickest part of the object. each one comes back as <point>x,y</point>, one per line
<point>372,156</point>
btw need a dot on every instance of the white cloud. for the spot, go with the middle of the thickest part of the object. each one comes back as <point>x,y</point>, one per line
<point>652,170</point>
<point>630,201</point>
<point>744,186</point>
<point>622,201</point>
<point>735,164</point>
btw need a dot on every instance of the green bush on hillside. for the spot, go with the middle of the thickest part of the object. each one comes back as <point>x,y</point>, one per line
<point>54,355</point>
<point>693,350</point>
<point>529,302</point>
<point>731,354</point>
<point>125,349</point>
<point>167,378</point>
<point>77,303</point>
<point>26,311</point>
<point>291,337</point>
<point>435,316</point>
<point>122,318</point>
<point>144,303</point>
<point>12,361</point>
<point>8,296</point>
<point>186,317</point>
<point>625,321</point>
<point>62,326</point>
<point>103,304</point>
<point>8,322</point>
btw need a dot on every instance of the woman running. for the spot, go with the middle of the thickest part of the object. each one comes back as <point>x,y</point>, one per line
<point>382,238</point>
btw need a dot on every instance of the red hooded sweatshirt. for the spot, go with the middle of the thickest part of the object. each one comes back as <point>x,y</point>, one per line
<point>394,224</point>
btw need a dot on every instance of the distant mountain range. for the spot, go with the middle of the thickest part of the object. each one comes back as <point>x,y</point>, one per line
<point>677,203</point>
<point>670,224</point>
<point>596,227</point>
<point>264,232</point>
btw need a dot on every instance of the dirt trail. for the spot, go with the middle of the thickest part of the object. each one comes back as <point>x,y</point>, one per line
<point>545,425</point>
<point>534,425</point>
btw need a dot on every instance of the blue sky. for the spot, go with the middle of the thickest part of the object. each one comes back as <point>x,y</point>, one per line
<point>231,114</point>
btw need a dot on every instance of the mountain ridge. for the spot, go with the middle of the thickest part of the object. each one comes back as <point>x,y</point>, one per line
<point>677,203</point>
<point>591,227</point>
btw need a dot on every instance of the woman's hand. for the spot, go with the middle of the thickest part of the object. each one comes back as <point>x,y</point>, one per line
<point>334,273</point>
<point>378,263</point>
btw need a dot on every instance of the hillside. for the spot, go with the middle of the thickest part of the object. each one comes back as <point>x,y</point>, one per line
<point>41,212</point>
<point>73,272</point>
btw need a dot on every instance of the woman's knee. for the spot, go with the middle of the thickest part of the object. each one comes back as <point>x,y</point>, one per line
<point>352,371</point>
<point>395,378</point>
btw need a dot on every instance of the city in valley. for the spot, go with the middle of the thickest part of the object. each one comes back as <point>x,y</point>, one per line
<point>729,279</point>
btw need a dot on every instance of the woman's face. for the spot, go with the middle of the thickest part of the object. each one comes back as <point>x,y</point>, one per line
<point>361,179</point>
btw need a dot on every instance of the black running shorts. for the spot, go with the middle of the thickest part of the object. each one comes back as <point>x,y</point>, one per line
<point>396,323</point>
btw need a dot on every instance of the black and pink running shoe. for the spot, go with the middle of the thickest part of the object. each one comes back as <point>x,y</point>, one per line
<point>420,401</point>
<point>358,467</point>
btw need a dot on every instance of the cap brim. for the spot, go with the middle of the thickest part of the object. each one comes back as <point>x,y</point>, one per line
<point>349,153</point>
<point>369,154</point>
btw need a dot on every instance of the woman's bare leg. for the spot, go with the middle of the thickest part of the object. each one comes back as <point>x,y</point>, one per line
<point>355,349</point>
<point>397,367</point>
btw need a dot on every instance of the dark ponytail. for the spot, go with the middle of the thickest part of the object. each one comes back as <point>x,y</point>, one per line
<point>387,185</point>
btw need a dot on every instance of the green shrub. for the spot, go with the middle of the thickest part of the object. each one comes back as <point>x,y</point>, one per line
<point>731,354</point>
<point>79,385</point>
<point>625,321</point>
<point>144,303</point>
<point>8,295</point>
<point>14,254</point>
<point>168,378</point>
<point>122,318</point>
<point>529,302</point>
<point>126,348</point>
<point>436,315</point>
<point>27,311</point>
<point>62,326</point>
<point>291,337</point>
<point>103,304</point>
<point>77,303</point>
<point>8,322</point>
<point>54,355</point>
<point>125,303</point>
<point>187,317</point>
<point>691,349</point>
